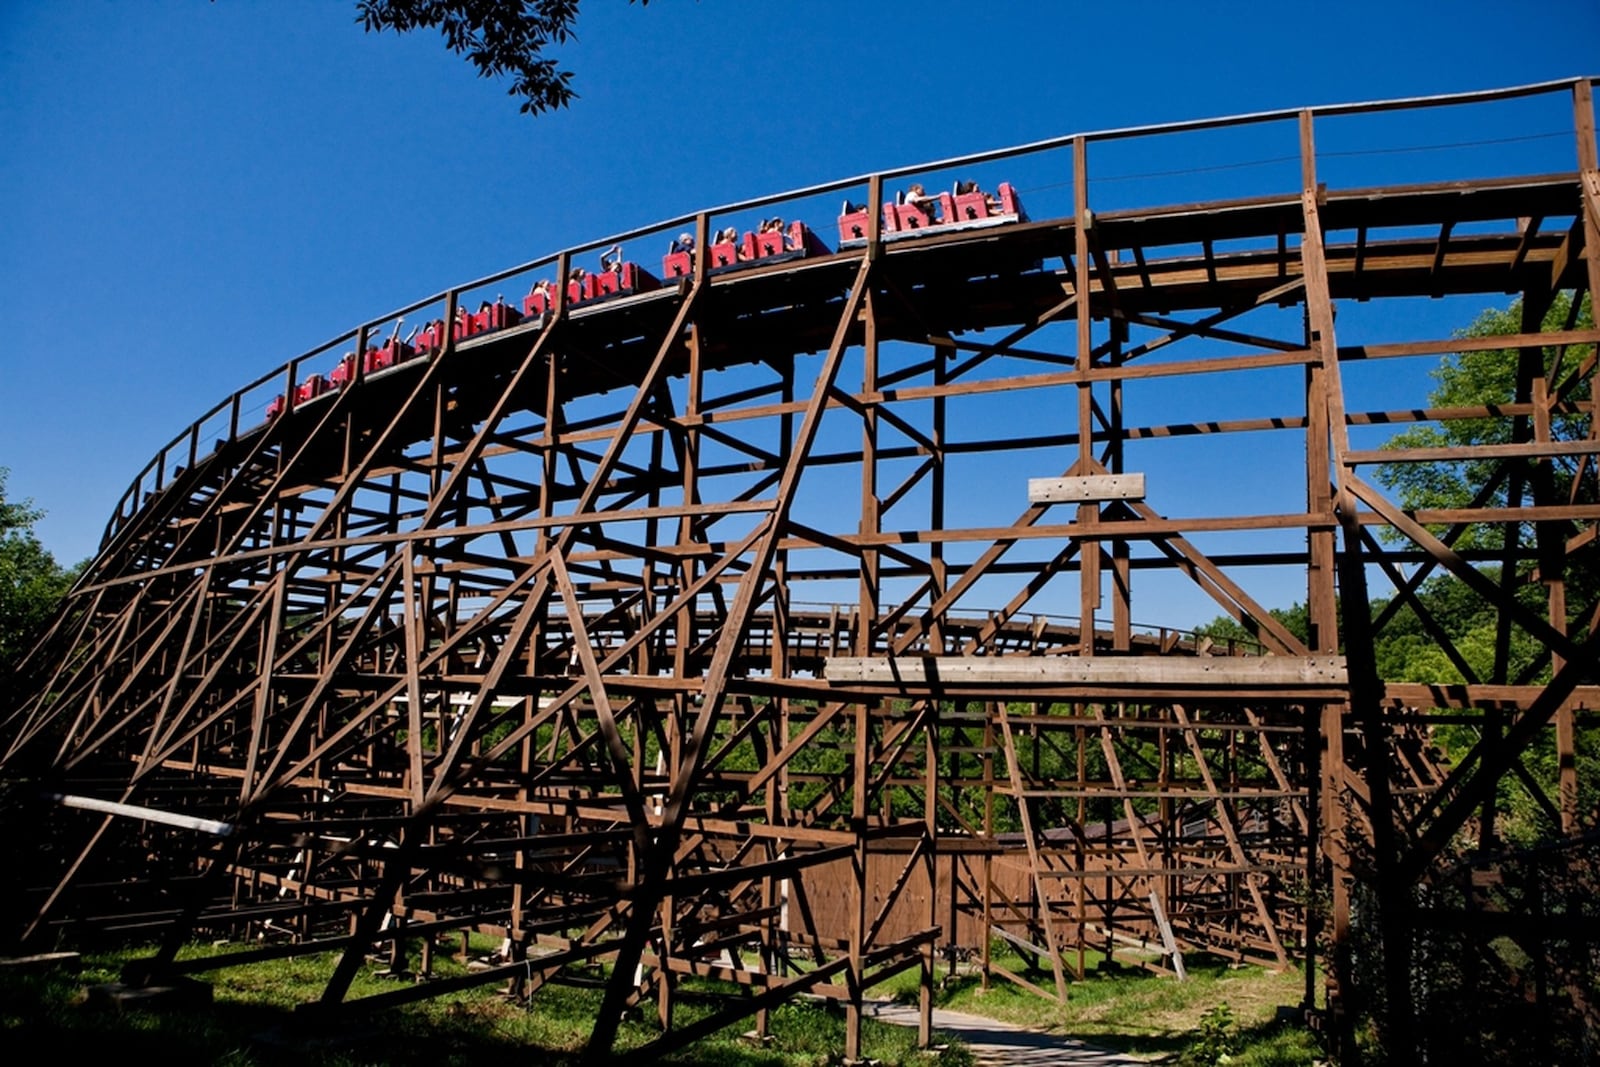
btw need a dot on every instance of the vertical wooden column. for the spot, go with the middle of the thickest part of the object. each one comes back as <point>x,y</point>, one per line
<point>772,739</point>
<point>1321,592</point>
<point>1088,514</point>
<point>1394,918</point>
<point>1589,177</point>
<point>549,453</point>
<point>1080,884</point>
<point>860,769</point>
<point>411,620</point>
<point>684,624</point>
<point>861,777</point>
<point>1166,854</point>
<point>936,496</point>
<point>868,597</point>
<point>680,712</point>
<point>1121,564</point>
<point>988,835</point>
<point>930,865</point>
<point>961,741</point>
<point>1552,554</point>
<point>1326,440</point>
<point>527,825</point>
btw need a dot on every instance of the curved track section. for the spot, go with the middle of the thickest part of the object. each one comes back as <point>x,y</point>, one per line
<point>521,636</point>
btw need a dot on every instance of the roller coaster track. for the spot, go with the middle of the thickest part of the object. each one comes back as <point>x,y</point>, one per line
<point>521,636</point>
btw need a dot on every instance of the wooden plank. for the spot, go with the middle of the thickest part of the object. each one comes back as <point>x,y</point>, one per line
<point>1020,942</point>
<point>1444,695</point>
<point>41,963</point>
<point>1265,671</point>
<point>1466,344</point>
<point>1469,453</point>
<point>1167,940</point>
<point>1090,488</point>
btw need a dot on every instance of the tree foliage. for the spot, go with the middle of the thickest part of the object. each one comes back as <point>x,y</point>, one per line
<point>1407,647</point>
<point>1406,650</point>
<point>31,582</point>
<point>500,37</point>
<point>1229,633</point>
<point>1489,378</point>
<point>1504,979</point>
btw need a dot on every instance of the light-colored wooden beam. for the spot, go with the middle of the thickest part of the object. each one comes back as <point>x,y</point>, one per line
<point>1086,489</point>
<point>1263,671</point>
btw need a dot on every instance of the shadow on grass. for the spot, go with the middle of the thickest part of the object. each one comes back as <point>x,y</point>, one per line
<point>50,1016</point>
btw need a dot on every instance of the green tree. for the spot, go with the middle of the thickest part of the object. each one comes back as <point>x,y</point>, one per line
<point>31,582</point>
<point>1492,378</point>
<point>1225,630</point>
<point>1488,378</point>
<point>499,37</point>
<point>1471,1004</point>
<point>1407,650</point>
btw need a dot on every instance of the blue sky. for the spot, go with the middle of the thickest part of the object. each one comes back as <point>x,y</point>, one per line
<point>192,192</point>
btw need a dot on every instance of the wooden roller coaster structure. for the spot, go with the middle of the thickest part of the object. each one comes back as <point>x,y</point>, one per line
<point>692,637</point>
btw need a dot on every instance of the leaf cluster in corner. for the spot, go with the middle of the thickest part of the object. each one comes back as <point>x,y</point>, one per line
<point>502,38</point>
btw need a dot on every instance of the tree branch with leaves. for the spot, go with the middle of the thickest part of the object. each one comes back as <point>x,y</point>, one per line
<point>1487,378</point>
<point>500,37</point>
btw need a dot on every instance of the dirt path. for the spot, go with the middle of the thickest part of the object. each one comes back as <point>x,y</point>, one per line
<point>997,1044</point>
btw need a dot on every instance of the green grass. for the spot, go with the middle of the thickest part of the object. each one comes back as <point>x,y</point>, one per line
<point>1143,1014</point>
<point>252,1023</point>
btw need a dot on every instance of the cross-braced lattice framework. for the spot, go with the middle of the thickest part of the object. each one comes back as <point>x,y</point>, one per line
<point>516,638</point>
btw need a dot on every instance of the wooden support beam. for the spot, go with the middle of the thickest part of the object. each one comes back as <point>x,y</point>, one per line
<point>1263,672</point>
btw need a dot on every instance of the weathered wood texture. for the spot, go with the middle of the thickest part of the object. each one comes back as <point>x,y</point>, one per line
<point>1092,489</point>
<point>1219,674</point>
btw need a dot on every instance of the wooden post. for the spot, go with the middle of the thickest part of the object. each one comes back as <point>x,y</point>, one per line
<point>1088,514</point>
<point>860,780</point>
